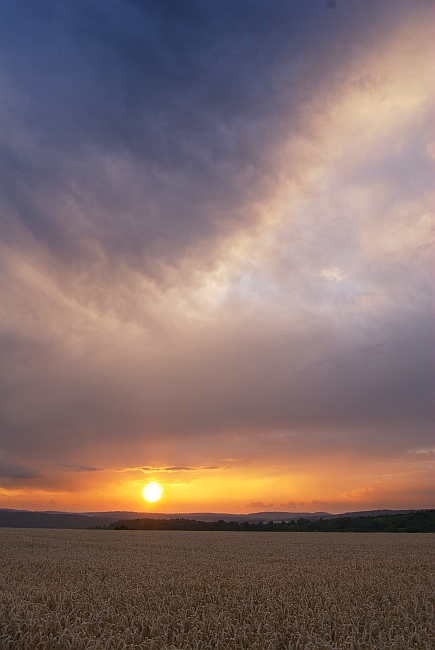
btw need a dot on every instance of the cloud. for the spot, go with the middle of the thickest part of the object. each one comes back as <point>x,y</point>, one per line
<point>215,233</point>
<point>259,504</point>
<point>332,274</point>
<point>81,468</point>
<point>417,456</point>
<point>11,469</point>
<point>164,123</point>
<point>360,493</point>
<point>154,470</point>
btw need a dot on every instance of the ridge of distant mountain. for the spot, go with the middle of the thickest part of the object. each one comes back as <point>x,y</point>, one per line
<point>10,518</point>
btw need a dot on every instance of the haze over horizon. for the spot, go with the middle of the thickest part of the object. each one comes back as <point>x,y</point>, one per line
<point>216,255</point>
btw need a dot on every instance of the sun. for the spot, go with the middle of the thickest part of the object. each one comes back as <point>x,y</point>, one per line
<point>152,492</point>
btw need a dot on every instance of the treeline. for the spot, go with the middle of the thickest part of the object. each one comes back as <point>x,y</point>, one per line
<point>414,522</point>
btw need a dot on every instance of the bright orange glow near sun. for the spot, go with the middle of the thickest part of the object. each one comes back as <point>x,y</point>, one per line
<point>152,492</point>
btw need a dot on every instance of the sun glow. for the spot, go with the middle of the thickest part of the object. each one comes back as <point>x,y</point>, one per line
<point>152,492</point>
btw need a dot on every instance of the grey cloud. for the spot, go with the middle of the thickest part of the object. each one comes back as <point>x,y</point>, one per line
<point>138,137</point>
<point>153,470</point>
<point>246,380</point>
<point>81,468</point>
<point>423,456</point>
<point>138,131</point>
<point>10,469</point>
<point>220,380</point>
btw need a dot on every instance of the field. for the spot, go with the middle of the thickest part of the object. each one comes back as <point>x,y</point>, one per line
<point>97,589</point>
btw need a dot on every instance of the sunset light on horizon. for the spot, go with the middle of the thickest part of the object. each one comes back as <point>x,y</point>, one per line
<point>216,255</point>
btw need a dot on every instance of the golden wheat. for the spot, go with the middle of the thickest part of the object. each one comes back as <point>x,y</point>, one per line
<point>118,590</point>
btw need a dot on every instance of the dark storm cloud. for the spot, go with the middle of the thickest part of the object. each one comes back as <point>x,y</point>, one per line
<point>140,129</point>
<point>153,285</point>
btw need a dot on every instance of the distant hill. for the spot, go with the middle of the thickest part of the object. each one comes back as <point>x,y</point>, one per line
<point>28,519</point>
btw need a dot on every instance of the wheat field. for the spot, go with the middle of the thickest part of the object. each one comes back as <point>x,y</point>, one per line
<point>77,589</point>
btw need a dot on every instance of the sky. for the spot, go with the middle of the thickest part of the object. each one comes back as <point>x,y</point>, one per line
<point>216,254</point>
